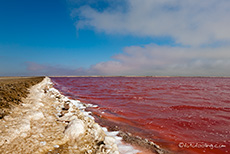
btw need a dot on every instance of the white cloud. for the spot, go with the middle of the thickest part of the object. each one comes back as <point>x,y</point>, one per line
<point>151,60</point>
<point>166,60</point>
<point>188,22</point>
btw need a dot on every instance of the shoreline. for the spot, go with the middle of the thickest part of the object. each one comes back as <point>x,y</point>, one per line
<point>144,145</point>
<point>48,122</point>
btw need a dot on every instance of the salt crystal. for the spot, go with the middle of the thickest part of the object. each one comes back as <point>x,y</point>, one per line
<point>75,128</point>
<point>43,142</point>
<point>56,146</point>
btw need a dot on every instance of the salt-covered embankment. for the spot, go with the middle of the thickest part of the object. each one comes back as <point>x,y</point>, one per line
<point>12,90</point>
<point>48,122</point>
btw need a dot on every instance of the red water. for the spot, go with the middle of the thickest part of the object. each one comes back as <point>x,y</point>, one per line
<point>182,114</point>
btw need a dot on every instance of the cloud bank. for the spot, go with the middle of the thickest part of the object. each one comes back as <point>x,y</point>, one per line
<point>166,60</point>
<point>155,60</point>
<point>188,22</point>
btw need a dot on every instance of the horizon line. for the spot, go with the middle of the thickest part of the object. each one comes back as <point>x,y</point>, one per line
<point>114,76</point>
<point>130,76</point>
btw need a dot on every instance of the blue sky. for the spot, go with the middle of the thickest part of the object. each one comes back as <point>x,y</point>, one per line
<point>123,37</point>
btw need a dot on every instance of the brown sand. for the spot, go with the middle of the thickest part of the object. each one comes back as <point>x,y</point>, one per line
<point>12,90</point>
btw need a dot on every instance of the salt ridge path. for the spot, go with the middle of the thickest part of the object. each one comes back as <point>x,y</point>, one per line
<point>48,122</point>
